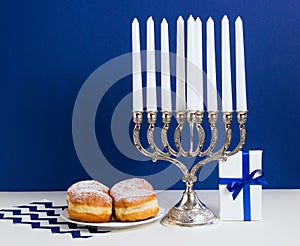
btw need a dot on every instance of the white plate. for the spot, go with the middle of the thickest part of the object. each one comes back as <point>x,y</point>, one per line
<point>112,225</point>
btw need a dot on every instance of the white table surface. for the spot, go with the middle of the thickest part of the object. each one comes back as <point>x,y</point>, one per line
<point>280,224</point>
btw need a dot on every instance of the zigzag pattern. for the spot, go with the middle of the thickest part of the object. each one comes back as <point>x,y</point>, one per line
<point>43,215</point>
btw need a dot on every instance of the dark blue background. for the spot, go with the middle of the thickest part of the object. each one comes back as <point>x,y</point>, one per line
<point>49,48</point>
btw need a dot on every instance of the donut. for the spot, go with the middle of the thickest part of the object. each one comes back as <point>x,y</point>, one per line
<point>133,200</point>
<point>89,201</point>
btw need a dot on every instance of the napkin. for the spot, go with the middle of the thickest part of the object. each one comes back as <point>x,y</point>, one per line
<point>44,215</point>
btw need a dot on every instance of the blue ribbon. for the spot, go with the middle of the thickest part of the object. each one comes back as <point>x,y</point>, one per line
<point>235,185</point>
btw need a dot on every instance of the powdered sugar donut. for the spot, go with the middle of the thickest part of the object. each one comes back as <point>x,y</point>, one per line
<point>89,201</point>
<point>134,199</point>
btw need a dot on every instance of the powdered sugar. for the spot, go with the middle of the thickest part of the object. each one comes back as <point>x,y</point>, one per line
<point>131,189</point>
<point>88,189</point>
<point>88,185</point>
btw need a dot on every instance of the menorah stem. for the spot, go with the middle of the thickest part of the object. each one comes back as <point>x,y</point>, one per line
<point>191,125</point>
<point>191,120</point>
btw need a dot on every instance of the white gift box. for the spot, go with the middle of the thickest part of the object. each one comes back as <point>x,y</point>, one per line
<point>240,186</point>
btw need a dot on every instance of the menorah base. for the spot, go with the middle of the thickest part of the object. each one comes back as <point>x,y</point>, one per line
<point>189,212</point>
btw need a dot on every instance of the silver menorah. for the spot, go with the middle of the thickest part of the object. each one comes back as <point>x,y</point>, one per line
<point>189,211</point>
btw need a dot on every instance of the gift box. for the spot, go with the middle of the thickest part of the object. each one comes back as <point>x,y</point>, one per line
<point>240,186</point>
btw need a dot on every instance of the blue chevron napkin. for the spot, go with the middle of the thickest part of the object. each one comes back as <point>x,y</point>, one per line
<point>44,215</point>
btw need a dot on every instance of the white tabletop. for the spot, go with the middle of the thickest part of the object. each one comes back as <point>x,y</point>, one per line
<point>280,224</point>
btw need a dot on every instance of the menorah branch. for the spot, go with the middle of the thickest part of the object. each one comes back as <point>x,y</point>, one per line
<point>241,118</point>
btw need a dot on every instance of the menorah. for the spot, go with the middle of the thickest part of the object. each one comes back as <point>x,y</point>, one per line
<point>189,211</point>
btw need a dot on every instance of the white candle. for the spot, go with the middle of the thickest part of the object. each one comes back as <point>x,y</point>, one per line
<point>199,63</point>
<point>165,68</point>
<point>226,67</point>
<point>151,76</point>
<point>180,66</point>
<point>212,103</point>
<point>137,93</point>
<point>192,97</point>
<point>241,100</point>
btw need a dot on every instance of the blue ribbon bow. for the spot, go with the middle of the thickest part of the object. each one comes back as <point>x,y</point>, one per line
<point>237,186</point>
